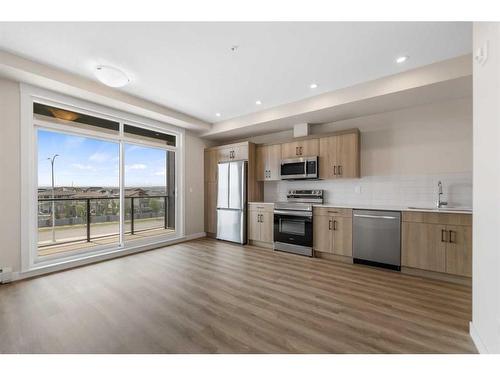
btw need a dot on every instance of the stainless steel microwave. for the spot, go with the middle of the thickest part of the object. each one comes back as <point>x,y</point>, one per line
<point>299,168</point>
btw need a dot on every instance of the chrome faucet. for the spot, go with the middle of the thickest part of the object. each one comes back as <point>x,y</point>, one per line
<point>439,202</point>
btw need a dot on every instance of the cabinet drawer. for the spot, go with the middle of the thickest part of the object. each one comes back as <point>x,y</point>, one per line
<point>332,211</point>
<point>262,207</point>
<point>437,218</point>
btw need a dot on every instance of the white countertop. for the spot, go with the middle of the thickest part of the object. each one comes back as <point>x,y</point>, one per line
<point>457,210</point>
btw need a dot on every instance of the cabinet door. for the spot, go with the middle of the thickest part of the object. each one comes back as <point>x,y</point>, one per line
<point>210,207</point>
<point>347,155</point>
<point>459,250</point>
<point>266,226</point>
<point>290,150</point>
<point>239,152</point>
<point>210,165</point>
<point>342,236</point>
<point>424,246</point>
<point>261,162</point>
<point>224,154</point>
<point>273,162</point>
<point>309,147</point>
<point>306,147</point>
<point>253,225</point>
<point>322,233</point>
<point>327,157</point>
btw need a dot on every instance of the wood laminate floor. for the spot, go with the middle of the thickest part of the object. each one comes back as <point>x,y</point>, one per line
<point>207,296</point>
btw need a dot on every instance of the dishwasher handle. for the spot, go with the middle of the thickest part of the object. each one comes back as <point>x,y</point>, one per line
<point>377,216</point>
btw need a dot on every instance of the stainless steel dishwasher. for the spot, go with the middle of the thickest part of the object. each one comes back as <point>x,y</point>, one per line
<point>377,238</point>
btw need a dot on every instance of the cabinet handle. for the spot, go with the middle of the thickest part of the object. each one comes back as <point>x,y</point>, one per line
<point>300,150</point>
<point>340,170</point>
<point>443,235</point>
<point>329,225</point>
<point>450,233</point>
<point>334,224</point>
<point>261,218</point>
<point>333,212</point>
<point>334,170</point>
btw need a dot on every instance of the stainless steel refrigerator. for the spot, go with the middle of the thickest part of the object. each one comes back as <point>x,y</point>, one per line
<point>232,201</point>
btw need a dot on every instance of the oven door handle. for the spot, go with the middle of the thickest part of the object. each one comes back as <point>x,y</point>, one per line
<point>293,213</point>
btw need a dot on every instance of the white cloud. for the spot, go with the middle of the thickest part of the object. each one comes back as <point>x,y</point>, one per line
<point>160,173</point>
<point>136,166</point>
<point>84,167</point>
<point>99,157</point>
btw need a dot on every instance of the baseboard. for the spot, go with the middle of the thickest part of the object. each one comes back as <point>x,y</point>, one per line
<point>437,276</point>
<point>195,236</point>
<point>481,348</point>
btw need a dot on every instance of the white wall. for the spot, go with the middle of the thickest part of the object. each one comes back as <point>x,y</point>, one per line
<point>403,155</point>
<point>485,327</point>
<point>10,177</point>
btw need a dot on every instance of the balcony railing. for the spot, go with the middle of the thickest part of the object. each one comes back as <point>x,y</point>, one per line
<point>136,208</point>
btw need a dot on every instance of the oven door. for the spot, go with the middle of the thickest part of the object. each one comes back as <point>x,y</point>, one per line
<point>293,228</point>
<point>293,169</point>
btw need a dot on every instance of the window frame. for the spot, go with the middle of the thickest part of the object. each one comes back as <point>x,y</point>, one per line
<point>29,173</point>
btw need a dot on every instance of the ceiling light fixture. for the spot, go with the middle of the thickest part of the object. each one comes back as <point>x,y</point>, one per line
<point>313,85</point>
<point>401,59</point>
<point>258,102</point>
<point>217,114</point>
<point>110,76</point>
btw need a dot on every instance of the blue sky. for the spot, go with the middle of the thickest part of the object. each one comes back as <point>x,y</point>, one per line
<point>90,162</point>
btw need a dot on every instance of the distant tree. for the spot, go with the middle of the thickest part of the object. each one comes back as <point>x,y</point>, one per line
<point>155,205</point>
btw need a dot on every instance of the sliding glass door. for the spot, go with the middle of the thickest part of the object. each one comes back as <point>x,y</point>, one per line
<point>101,183</point>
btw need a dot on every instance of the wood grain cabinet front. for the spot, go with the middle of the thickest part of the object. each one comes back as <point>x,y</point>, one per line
<point>332,231</point>
<point>298,149</point>
<point>339,156</point>
<point>437,242</point>
<point>260,223</point>
<point>268,162</point>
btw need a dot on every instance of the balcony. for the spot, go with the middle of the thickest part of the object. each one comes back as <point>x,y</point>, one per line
<point>85,223</point>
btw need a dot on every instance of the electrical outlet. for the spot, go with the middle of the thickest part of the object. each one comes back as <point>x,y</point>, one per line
<point>5,275</point>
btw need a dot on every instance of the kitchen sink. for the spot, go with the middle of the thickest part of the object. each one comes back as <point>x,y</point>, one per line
<point>441,209</point>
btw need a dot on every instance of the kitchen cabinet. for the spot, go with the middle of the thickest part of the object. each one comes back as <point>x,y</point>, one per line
<point>439,242</point>
<point>211,207</point>
<point>211,165</point>
<point>260,222</point>
<point>339,156</point>
<point>297,149</point>
<point>268,162</point>
<point>232,152</point>
<point>332,230</point>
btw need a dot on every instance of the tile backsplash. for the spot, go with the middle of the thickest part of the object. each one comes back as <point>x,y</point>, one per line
<point>405,190</point>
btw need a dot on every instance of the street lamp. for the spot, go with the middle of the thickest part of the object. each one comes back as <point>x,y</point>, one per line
<point>52,160</point>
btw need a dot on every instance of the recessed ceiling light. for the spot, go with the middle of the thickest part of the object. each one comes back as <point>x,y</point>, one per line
<point>401,59</point>
<point>110,76</point>
<point>217,114</point>
<point>258,102</point>
<point>313,85</point>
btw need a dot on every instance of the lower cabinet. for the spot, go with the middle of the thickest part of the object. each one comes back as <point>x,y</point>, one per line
<point>332,231</point>
<point>437,242</point>
<point>260,222</point>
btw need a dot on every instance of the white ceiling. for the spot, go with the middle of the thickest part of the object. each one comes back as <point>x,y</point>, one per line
<point>190,67</point>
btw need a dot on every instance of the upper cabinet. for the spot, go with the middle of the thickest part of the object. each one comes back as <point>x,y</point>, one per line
<point>268,162</point>
<point>297,149</point>
<point>339,156</point>
<point>233,152</point>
